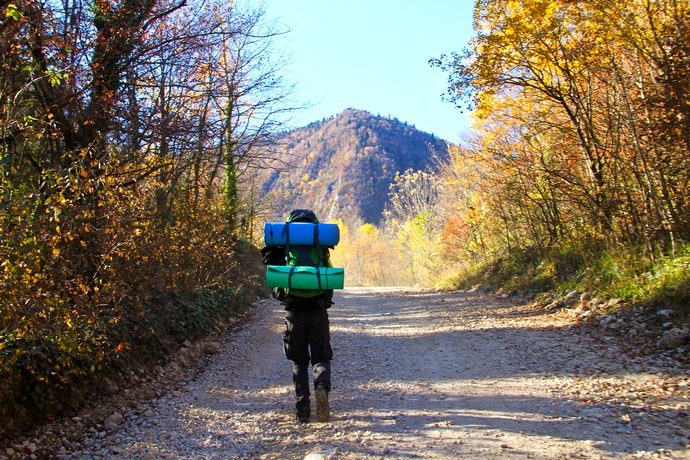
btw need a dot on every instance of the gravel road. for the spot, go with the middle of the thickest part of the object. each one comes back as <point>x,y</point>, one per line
<point>416,374</point>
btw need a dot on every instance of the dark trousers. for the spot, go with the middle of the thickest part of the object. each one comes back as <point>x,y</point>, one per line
<point>307,339</point>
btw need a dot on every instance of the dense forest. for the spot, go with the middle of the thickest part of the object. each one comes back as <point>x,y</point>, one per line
<point>140,141</point>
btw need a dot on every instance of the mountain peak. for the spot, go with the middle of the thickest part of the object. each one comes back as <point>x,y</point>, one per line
<point>342,166</point>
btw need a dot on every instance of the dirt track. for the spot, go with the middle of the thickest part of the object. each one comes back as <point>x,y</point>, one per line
<point>419,375</point>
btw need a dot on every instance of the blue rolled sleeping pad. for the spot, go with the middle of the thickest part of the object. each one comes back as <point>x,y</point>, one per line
<point>300,234</point>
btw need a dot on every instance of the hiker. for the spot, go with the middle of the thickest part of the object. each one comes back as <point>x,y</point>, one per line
<point>307,335</point>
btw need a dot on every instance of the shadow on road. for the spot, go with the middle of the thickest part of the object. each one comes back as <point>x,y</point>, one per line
<point>450,374</point>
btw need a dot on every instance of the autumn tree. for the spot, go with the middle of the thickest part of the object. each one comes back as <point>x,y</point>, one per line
<point>576,102</point>
<point>114,142</point>
<point>369,256</point>
<point>213,89</point>
<point>255,99</point>
<point>411,220</point>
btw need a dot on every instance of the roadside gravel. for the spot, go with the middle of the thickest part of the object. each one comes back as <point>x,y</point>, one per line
<point>416,374</point>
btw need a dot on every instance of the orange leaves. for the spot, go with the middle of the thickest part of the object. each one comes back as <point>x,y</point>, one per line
<point>455,232</point>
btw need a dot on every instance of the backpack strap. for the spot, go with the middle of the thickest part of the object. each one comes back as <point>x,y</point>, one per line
<point>286,232</point>
<point>292,272</point>
<point>322,259</point>
<point>318,276</point>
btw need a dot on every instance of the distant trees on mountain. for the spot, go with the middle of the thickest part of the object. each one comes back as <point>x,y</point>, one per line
<point>351,159</point>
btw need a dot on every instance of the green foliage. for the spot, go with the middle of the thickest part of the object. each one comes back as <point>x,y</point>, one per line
<point>633,275</point>
<point>194,314</point>
<point>669,280</point>
<point>517,270</point>
<point>231,194</point>
<point>13,13</point>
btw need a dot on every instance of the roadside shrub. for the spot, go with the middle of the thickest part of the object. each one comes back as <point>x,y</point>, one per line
<point>628,273</point>
<point>88,289</point>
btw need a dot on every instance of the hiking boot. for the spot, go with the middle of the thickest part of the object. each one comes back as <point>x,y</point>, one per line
<point>323,412</point>
<point>303,414</point>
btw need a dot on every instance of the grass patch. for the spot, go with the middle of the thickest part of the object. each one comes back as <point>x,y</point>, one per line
<point>626,273</point>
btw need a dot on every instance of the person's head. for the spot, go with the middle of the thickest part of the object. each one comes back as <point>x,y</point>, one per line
<point>302,215</point>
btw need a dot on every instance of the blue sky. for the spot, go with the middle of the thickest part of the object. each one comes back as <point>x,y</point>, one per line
<point>373,55</point>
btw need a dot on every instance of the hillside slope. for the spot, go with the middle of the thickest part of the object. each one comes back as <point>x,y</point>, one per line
<point>342,167</point>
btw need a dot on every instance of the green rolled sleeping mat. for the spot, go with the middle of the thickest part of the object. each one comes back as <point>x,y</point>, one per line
<point>304,277</point>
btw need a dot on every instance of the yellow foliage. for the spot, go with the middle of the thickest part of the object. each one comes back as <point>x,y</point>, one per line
<point>368,231</point>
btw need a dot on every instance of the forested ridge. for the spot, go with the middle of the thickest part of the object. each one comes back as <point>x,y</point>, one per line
<point>143,145</point>
<point>344,165</point>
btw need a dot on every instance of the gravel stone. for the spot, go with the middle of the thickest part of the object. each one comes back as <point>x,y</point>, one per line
<point>673,338</point>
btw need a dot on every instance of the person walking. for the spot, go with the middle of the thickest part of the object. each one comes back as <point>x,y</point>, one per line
<point>307,338</point>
